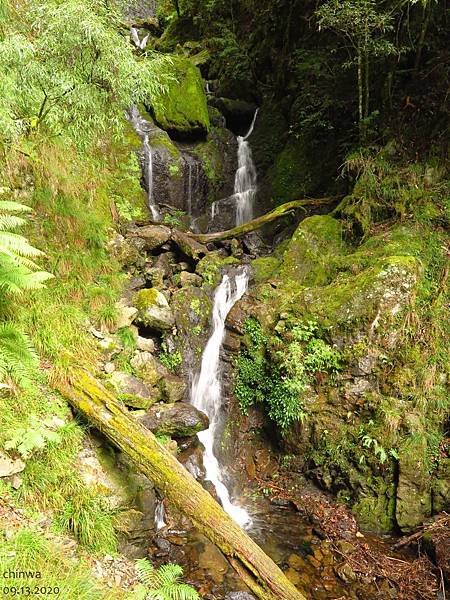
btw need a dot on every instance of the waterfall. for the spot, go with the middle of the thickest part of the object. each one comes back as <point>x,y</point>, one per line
<point>206,392</point>
<point>245,179</point>
<point>160,513</point>
<point>143,128</point>
<point>148,157</point>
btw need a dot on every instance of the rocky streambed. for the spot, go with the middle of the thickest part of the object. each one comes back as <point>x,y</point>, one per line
<point>150,356</point>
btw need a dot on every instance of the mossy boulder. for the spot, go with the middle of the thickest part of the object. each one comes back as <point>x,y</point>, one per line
<point>154,310</point>
<point>181,109</point>
<point>265,267</point>
<point>307,257</point>
<point>178,420</point>
<point>132,391</point>
<point>210,266</point>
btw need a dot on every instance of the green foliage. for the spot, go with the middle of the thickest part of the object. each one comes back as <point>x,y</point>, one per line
<point>18,359</point>
<point>171,360</point>
<point>89,519</point>
<point>75,80</point>
<point>34,437</point>
<point>277,375</point>
<point>174,219</point>
<point>163,583</point>
<point>18,271</point>
<point>31,550</point>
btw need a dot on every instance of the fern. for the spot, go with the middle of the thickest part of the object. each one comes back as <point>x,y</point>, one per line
<point>17,356</point>
<point>18,271</point>
<point>163,583</point>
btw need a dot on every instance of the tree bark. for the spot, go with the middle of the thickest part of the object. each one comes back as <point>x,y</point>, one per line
<point>106,413</point>
<point>278,212</point>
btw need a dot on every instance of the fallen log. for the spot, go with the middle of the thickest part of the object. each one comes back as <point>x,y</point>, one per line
<point>188,245</point>
<point>109,415</point>
<point>280,211</point>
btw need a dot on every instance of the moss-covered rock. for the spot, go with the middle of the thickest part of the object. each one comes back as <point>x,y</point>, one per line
<point>154,310</point>
<point>181,109</point>
<point>296,173</point>
<point>264,267</point>
<point>307,257</point>
<point>178,420</point>
<point>132,391</point>
<point>210,266</point>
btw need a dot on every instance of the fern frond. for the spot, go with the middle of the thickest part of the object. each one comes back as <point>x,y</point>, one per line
<point>10,222</point>
<point>18,358</point>
<point>170,574</point>
<point>11,206</point>
<point>147,573</point>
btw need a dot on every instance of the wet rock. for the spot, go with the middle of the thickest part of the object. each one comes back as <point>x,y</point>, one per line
<point>154,236</point>
<point>154,310</point>
<point>148,368</point>
<point>132,391</point>
<point>239,596</point>
<point>190,279</point>
<point>172,388</point>
<point>145,344</point>
<point>9,466</point>
<point>178,420</point>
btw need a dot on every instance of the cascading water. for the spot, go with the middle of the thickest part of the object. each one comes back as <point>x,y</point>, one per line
<point>206,392</point>
<point>245,179</point>
<point>148,157</point>
<point>160,514</point>
<point>143,128</point>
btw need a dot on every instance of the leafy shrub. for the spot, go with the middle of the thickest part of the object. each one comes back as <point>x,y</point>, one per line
<point>277,375</point>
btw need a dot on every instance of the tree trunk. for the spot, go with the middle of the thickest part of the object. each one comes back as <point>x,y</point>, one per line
<point>278,212</point>
<point>106,413</point>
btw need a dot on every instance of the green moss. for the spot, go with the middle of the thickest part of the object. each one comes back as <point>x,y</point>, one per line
<point>264,268</point>
<point>309,256</point>
<point>182,107</point>
<point>294,174</point>
<point>209,267</point>
<point>145,298</point>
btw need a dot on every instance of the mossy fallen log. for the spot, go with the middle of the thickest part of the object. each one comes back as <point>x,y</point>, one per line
<point>109,415</point>
<point>280,211</point>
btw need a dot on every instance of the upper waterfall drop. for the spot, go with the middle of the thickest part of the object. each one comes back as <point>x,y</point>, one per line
<point>143,129</point>
<point>206,391</point>
<point>245,179</point>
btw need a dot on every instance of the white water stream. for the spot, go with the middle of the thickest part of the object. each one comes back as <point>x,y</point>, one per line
<point>206,392</point>
<point>160,515</point>
<point>245,179</point>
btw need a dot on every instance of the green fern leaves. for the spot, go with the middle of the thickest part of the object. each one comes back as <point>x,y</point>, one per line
<point>18,271</point>
<point>163,583</point>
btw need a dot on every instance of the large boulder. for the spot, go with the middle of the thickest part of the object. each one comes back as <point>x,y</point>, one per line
<point>181,108</point>
<point>307,257</point>
<point>132,391</point>
<point>176,420</point>
<point>154,310</point>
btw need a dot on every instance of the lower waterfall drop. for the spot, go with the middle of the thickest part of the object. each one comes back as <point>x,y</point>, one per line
<point>206,392</point>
